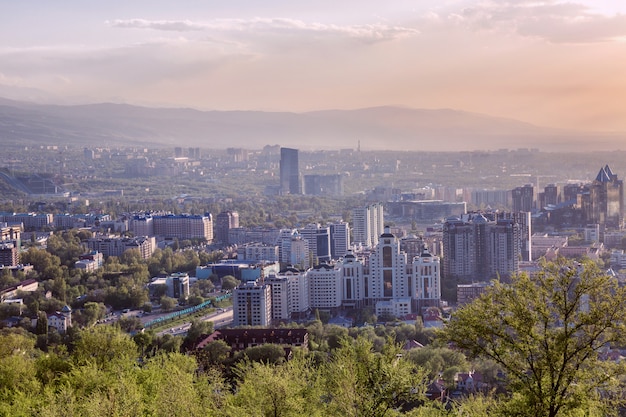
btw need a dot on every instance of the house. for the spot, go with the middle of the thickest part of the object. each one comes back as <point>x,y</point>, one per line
<point>469,382</point>
<point>62,320</point>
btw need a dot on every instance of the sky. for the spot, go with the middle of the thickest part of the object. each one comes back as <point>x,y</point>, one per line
<point>550,63</point>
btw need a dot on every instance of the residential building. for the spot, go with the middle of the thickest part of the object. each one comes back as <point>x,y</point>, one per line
<point>290,294</point>
<point>367,225</point>
<point>318,238</point>
<point>523,198</point>
<point>9,254</point>
<point>339,239</point>
<point>252,304</point>
<point>62,320</point>
<point>116,246</point>
<point>466,293</point>
<point>426,280</point>
<point>387,278</point>
<point>258,252</point>
<point>224,222</point>
<point>184,226</point>
<point>325,287</point>
<point>482,246</point>
<point>353,281</point>
<point>142,225</point>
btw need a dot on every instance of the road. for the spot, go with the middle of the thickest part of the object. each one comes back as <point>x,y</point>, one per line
<point>219,319</point>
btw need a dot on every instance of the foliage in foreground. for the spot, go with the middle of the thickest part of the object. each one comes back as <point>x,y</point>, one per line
<point>548,333</point>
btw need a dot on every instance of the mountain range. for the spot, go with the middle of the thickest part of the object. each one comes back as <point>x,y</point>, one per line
<point>375,128</point>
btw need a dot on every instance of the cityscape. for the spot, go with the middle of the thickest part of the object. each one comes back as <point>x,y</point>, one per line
<point>357,208</point>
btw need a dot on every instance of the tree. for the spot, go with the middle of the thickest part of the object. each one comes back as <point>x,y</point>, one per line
<point>546,332</point>
<point>229,282</point>
<point>168,303</point>
<point>360,382</point>
<point>288,390</point>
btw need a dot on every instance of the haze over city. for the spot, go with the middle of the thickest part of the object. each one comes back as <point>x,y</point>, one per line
<point>549,63</point>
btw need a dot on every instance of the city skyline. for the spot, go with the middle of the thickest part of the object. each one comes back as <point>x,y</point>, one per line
<point>550,63</point>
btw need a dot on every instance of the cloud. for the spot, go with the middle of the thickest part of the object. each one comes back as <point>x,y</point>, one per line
<point>554,21</point>
<point>167,25</point>
<point>375,32</point>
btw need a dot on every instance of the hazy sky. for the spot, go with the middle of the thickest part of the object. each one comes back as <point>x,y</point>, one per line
<point>552,63</point>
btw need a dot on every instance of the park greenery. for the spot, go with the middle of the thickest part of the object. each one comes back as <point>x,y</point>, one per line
<point>540,342</point>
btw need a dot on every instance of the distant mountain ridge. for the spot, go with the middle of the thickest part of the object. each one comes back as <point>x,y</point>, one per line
<point>375,128</point>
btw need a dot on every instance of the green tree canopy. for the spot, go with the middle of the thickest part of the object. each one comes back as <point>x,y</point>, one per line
<point>547,331</point>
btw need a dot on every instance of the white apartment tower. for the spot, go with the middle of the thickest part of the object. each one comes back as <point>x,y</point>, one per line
<point>325,287</point>
<point>252,304</point>
<point>290,294</point>
<point>388,270</point>
<point>367,224</point>
<point>352,281</point>
<point>426,280</point>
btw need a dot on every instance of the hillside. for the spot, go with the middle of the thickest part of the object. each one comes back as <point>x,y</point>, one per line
<point>392,128</point>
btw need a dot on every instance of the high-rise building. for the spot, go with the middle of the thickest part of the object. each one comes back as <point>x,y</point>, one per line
<point>426,279</point>
<point>289,171</point>
<point>387,270</point>
<point>290,294</point>
<point>478,248</point>
<point>225,221</point>
<point>252,304</point>
<point>367,224</point>
<point>9,254</point>
<point>319,241</point>
<point>603,203</point>
<point>339,239</point>
<point>523,198</point>
<point>325,286</point>
<point>353,281</point>
<point>551,195</point>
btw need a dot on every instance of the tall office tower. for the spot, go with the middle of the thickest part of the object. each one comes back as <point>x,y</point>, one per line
<point>353,281</point>
<point>604,202</point>
<point>367,224</point>
<point>252,304</point>
<point>523,198</point>
<point>339,239</point>
<point>388,270</point>
<point>225,221</point>
<point>290,294</point>
<point>319,241</point>
<point>426,280</point>
<point>571,192</point>
<point>325,287</point>
<point>289,171</point>
<point>481,249</point>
